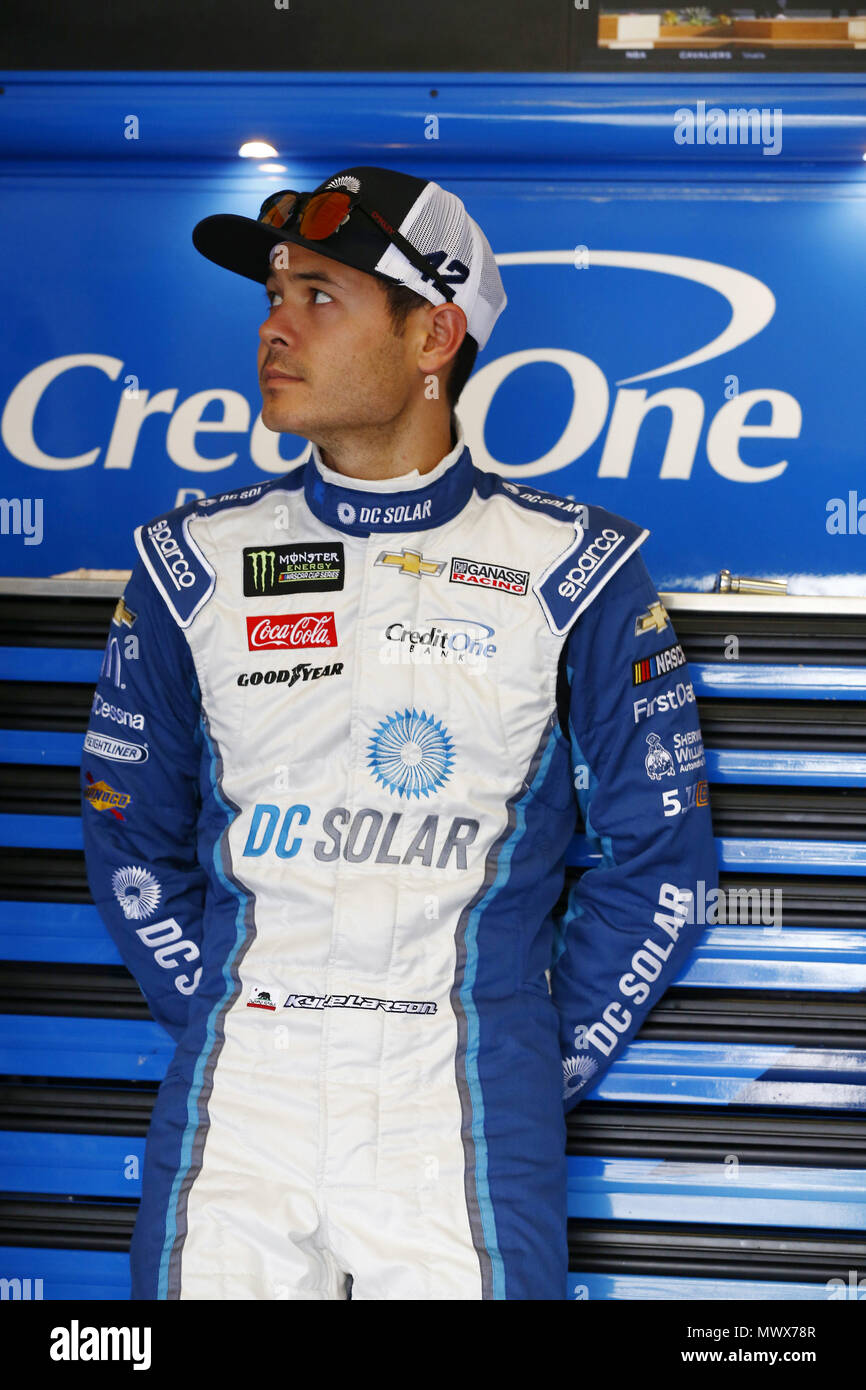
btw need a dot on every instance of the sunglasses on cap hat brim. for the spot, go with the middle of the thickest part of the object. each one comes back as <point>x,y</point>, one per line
<point>317,216</point>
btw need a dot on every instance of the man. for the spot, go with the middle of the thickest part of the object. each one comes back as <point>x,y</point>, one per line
<point>364,702</point>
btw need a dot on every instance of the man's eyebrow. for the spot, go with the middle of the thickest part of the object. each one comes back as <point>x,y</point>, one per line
<point>307,275</point>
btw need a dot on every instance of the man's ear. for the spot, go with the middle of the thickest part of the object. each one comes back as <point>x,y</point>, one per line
<point>447,328</point>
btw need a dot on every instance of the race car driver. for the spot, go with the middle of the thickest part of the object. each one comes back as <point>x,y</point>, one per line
<point>346,719</point>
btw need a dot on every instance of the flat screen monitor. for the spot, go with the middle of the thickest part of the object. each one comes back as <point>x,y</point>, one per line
<point>779,35</point>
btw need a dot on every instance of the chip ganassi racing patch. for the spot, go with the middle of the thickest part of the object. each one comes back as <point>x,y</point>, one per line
<point>488,576</point>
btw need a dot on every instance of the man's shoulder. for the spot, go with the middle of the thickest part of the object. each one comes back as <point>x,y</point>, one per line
<point>572,515</point>
<point>585,545</point>
<point>171,553</point>
<point>220,502</point>
<point>602,544</point>
<point>527,500</point>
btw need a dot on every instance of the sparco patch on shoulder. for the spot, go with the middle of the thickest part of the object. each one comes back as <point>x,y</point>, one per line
<point>602,543</point>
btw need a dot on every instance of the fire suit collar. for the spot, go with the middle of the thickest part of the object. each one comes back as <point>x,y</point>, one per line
<point>409,502</point>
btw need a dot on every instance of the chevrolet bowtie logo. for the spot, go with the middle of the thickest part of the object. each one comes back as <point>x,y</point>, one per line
<point>654,619</point>
<point>123,615</point>
<point>410,562</point>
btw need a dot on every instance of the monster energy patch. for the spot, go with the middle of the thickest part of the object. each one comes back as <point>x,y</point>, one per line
<point>310,567</point>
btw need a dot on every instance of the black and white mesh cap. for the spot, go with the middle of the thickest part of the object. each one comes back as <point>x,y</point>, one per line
<point>432,219</point>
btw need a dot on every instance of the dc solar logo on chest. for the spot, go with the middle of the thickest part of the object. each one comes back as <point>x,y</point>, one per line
<point>411,753</point>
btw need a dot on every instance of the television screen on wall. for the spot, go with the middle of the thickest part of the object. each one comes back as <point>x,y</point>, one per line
<point>770,34</point>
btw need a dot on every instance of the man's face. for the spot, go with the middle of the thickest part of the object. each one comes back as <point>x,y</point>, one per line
<point>328,328</point>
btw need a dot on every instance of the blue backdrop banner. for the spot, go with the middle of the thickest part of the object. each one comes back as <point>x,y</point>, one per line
<point>685,349</point>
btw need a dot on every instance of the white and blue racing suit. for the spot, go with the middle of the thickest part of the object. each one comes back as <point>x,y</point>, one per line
<point>340,739</point>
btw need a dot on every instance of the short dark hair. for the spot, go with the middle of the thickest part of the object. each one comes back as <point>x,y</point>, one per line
<point>400,303</point>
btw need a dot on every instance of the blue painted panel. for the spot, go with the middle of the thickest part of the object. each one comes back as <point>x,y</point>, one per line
<point>115,1049</point>
<point>40,747</point>
<point>766,956</point>
<point>55,932</point>
<point>792,856</point>
<point>67,1274</point>
<point>737,1074</point>
<point>625,1189</point>
<point>601,1287</point>
<point>548,118</point>
<point>41,832</point>
<point>795,769</point>
<point>767,682</point>
<point>762,856</point>
<point>51,663</point>
<point>78,1165</point>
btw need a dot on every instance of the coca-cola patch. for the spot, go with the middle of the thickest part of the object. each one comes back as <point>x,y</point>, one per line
<point>291,630</point>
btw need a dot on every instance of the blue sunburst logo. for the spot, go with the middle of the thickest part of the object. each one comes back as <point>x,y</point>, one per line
<point>410,753</point>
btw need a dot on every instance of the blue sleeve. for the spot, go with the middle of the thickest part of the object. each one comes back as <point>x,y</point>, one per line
<point>141,799</point>
<point>641,781</point>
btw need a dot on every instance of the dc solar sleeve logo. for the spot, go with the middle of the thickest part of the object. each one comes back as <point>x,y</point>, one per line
<point>137,891</point>
<point>410,753</point>
<point>575,1072</point>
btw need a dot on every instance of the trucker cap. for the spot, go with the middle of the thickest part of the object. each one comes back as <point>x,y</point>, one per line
<point>433,220</point>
